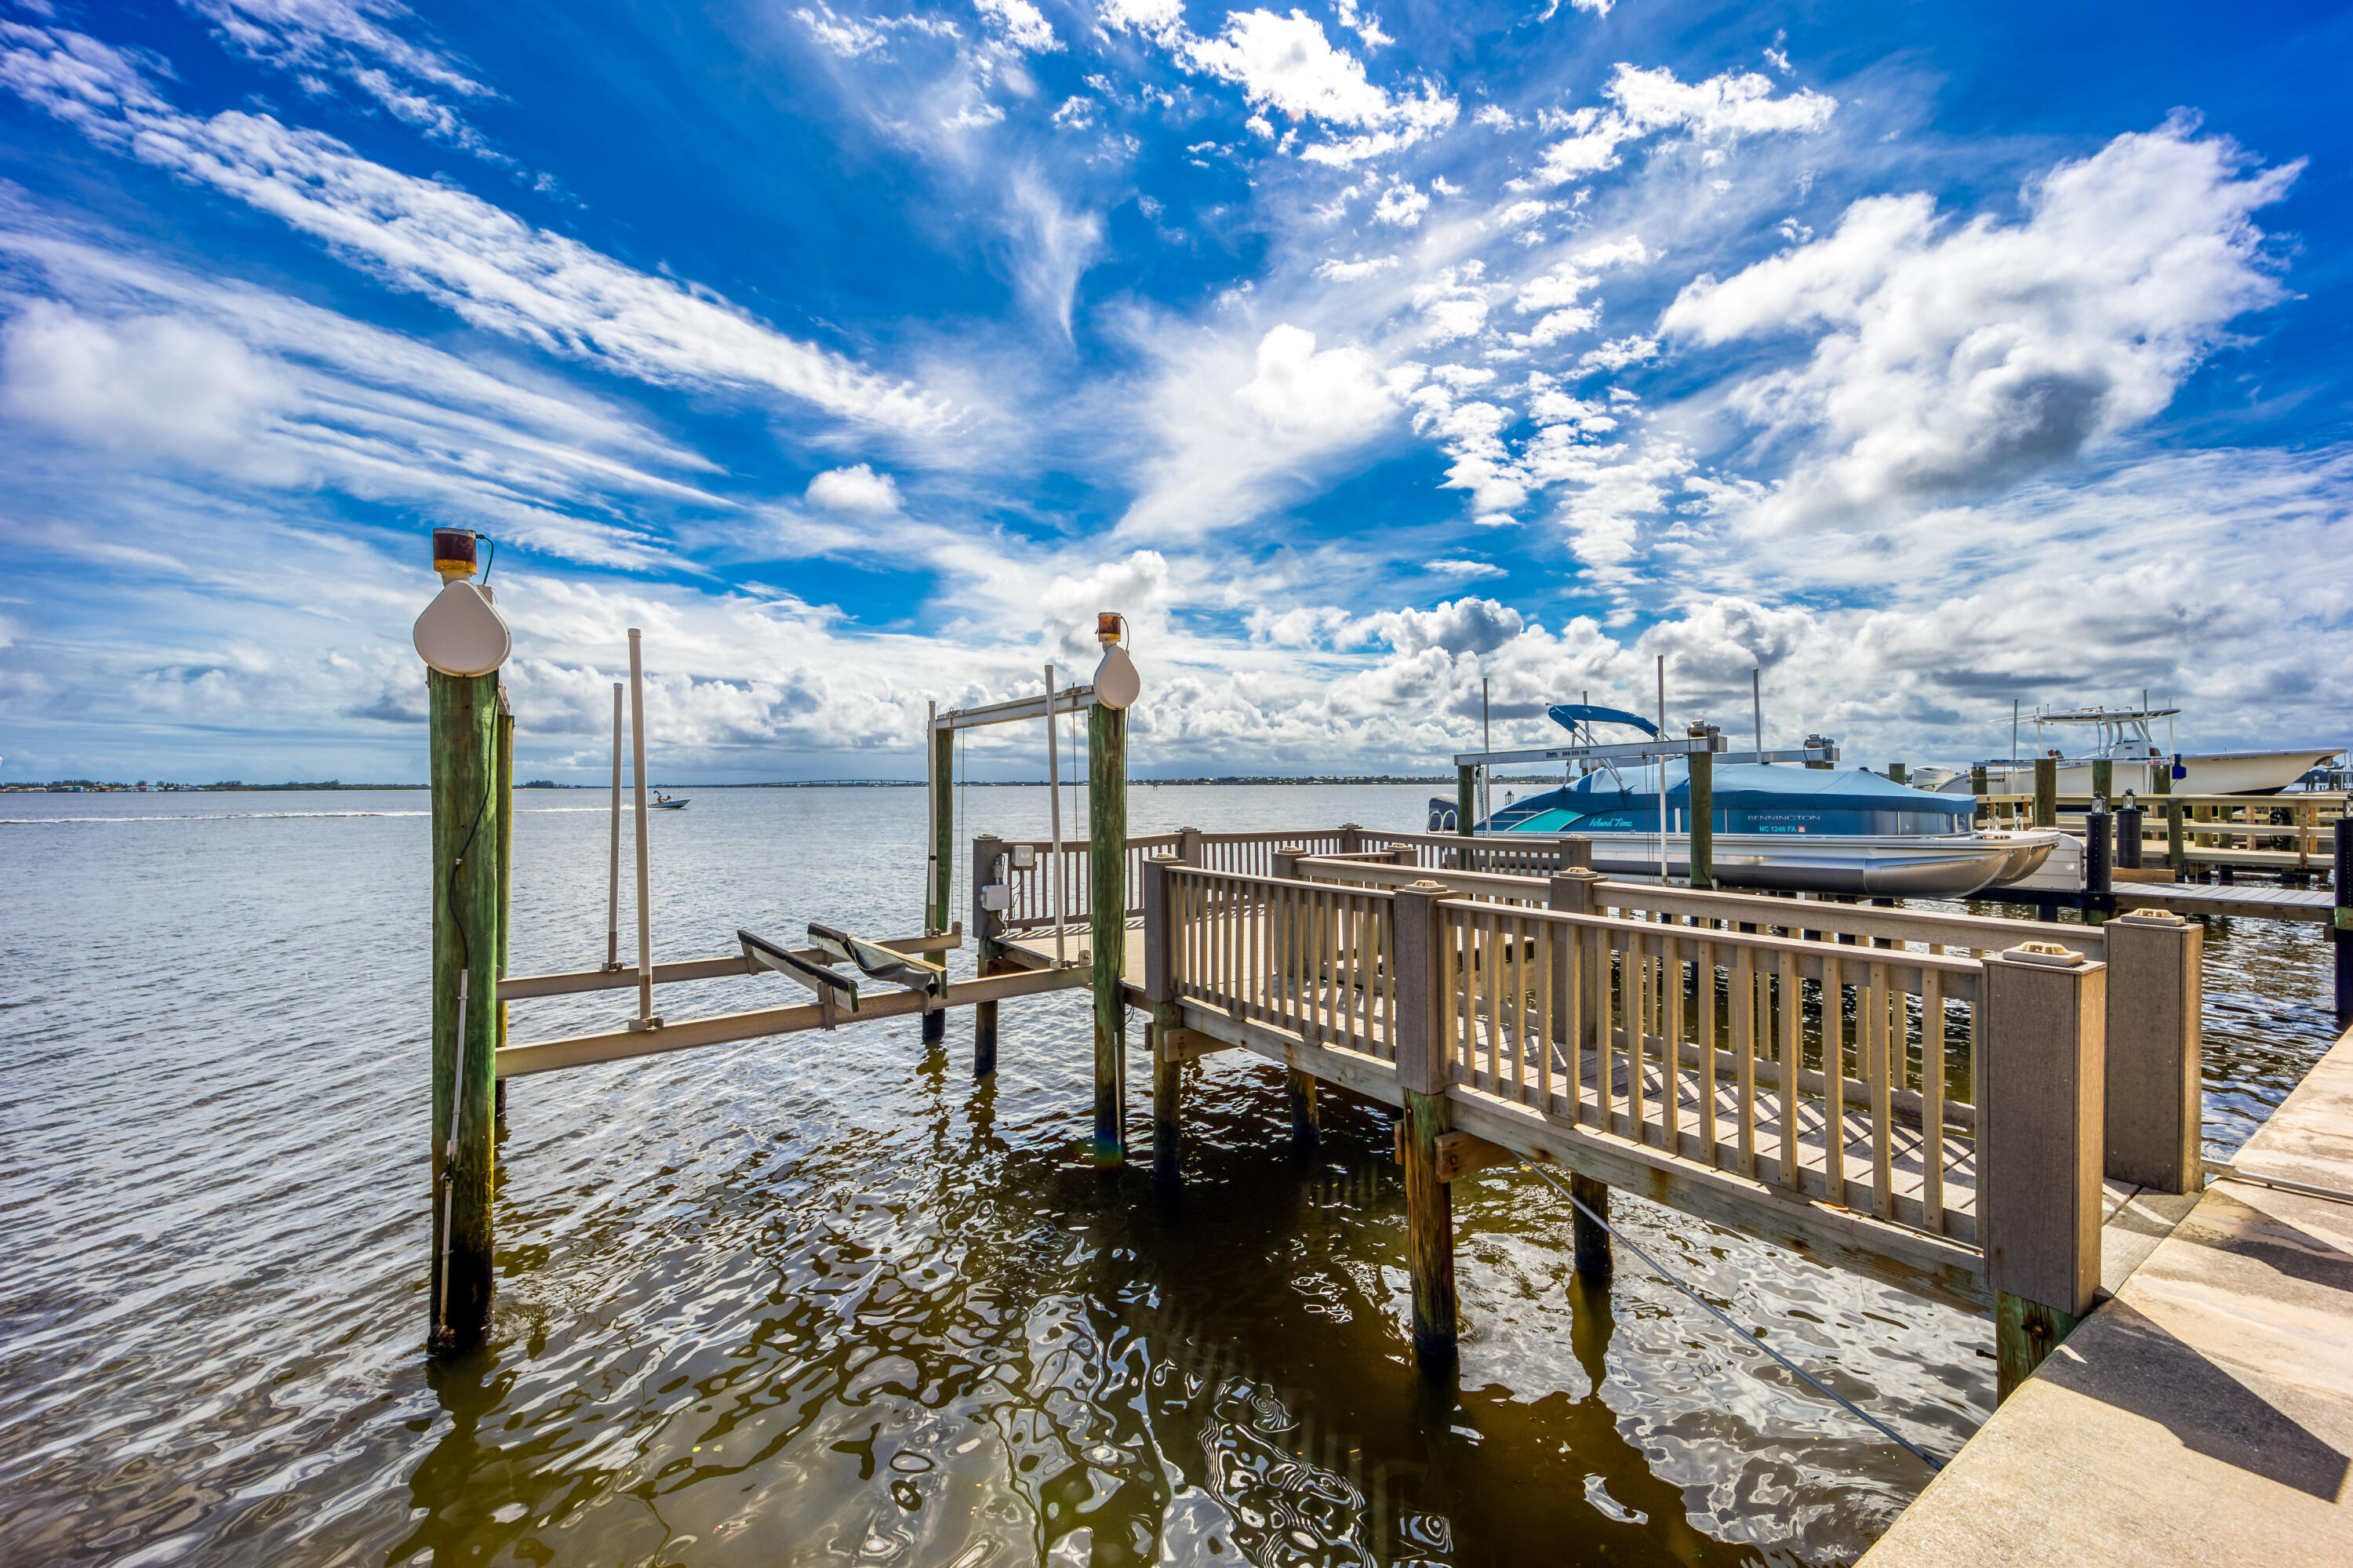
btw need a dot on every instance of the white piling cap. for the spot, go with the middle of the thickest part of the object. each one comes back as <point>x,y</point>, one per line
<point>461,635</point>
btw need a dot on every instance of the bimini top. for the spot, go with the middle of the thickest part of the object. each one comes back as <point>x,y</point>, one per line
<point>1747,799</point>
<point>1568,715</point>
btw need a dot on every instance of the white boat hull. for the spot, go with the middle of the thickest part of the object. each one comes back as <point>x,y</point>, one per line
<point>1888,866</point>
<point>2209,773</point>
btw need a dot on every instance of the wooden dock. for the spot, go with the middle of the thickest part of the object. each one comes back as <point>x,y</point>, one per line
<point>1812,1072</point>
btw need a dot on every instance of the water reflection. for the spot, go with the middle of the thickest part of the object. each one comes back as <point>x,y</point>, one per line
<point>823,1300</point>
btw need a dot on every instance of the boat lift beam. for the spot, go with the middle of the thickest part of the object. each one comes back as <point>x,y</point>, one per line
<point>1069,700</point>
<point>1646,750</point>
<point>1633,750</point>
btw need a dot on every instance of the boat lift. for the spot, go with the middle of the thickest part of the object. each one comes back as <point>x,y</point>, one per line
<point>1699,748</point>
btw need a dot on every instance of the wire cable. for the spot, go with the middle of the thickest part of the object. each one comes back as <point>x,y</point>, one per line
<point>1722,1317</point>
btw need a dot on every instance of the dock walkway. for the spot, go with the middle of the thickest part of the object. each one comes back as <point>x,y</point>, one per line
<point>2203,1416</point>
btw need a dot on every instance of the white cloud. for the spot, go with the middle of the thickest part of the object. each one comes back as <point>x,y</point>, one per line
<point>1619,353</point>
<point>355,40</point>
<point>1241,430</point>
<point>170,374</point>
<point>1159,19</point>
<point>853,36</point>
<point>1722,108</point>
<point>1286,63</point>
<point>1465,570</point>
<point>1400,205</point>
<point>1023,24</point>
<point>1354,271</point>
<point>431,238</point>
<point>1364,23</point>
<point>1495,116</point>
<point>857,490</point>
<point>1958,359</point>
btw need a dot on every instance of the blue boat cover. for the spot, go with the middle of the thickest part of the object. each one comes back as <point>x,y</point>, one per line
<point>1747,799</point>
<point>1568,715</point>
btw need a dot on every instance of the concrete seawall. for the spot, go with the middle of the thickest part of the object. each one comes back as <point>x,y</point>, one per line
<point>2205,1414</point>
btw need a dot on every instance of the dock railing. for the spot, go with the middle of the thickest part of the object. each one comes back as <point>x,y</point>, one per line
<point>1737,1060</point>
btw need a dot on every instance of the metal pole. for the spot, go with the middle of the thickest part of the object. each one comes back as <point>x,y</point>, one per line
<point>1663,769</point>
<point>2010,769</point>
<point>645,1018</point>
<point>1054,809</point>
<point>932,917</point>
<point>613,882</point>
<point>1486,742</point>
<point>1757,708</point>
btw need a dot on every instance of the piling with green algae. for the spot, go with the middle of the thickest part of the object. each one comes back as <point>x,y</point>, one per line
<point>943,866</point>
<point>1107,918</point>
<point>468,945</point>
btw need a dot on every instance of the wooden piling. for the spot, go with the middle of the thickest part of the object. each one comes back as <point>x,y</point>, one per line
<point>1701,775</point>
<point>2104,777</point>
<point>2099,872</point>
<point>2040,1143</point>
<point>2154,1100</point>
<point>2046,791</point>
<point>1592,1240</point>
<point>1897,773</point>
<point>1107,913</point>
<point>505,808</point>
<point>1306,1117</point>
<point>987,850</point>
<point>942,864</point>
<point>1466,803</point>
<point>1419,954</point>
<point>2177,851</point>
<point>1160,978</point>
<point>467,940</point>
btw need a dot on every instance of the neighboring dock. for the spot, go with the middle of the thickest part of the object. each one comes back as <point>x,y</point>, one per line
<point>2204,1414</point>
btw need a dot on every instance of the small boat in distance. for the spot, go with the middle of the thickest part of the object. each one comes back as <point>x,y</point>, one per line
<point>2121,737</point>
<point>661,802</point>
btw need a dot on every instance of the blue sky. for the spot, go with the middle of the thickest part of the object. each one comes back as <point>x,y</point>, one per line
<point>1926,358</point>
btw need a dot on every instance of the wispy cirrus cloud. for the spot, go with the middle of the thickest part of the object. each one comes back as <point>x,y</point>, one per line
<point>422,236</point>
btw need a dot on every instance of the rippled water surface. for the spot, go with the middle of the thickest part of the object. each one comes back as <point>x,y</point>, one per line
<point>818,1299</point>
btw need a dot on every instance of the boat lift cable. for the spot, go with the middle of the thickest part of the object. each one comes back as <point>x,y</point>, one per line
<point>1722,1317</point>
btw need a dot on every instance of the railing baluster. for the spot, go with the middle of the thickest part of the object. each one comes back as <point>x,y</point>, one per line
<point>1887,1047</point>
<point>1791,997</point>
<point>1834,1077</point>
<point>1932,1102</point>
<point>1707,1031</point>
<point>1671,1042</point>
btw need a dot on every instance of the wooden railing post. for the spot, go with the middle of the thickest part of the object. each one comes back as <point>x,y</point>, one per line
<point>1189,847</point>
<point>467,938</point>
<point>1107,915</point>
<point>986,851</point>
<point>1466,810</point>
<point>1352,838</point>
<point>2340,882</point>
<point>1160,978</point>
<point>2040,1139</point>
<point>1571,892</point>
<point>2154,1098</point>
<point>1420,952</point>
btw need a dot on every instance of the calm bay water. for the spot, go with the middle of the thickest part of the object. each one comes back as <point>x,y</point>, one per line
<point>819,1299</point>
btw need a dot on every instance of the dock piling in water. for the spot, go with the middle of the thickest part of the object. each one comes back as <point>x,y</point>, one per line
<point>1107,916</point>
<point>986,851</point>
<point>1421,984</point>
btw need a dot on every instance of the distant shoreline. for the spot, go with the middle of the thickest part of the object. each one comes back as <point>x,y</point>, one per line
<point>235,787</point>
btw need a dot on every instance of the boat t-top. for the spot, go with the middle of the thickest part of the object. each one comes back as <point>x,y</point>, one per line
<point>1774,825</point>
<point>2122,737</point>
